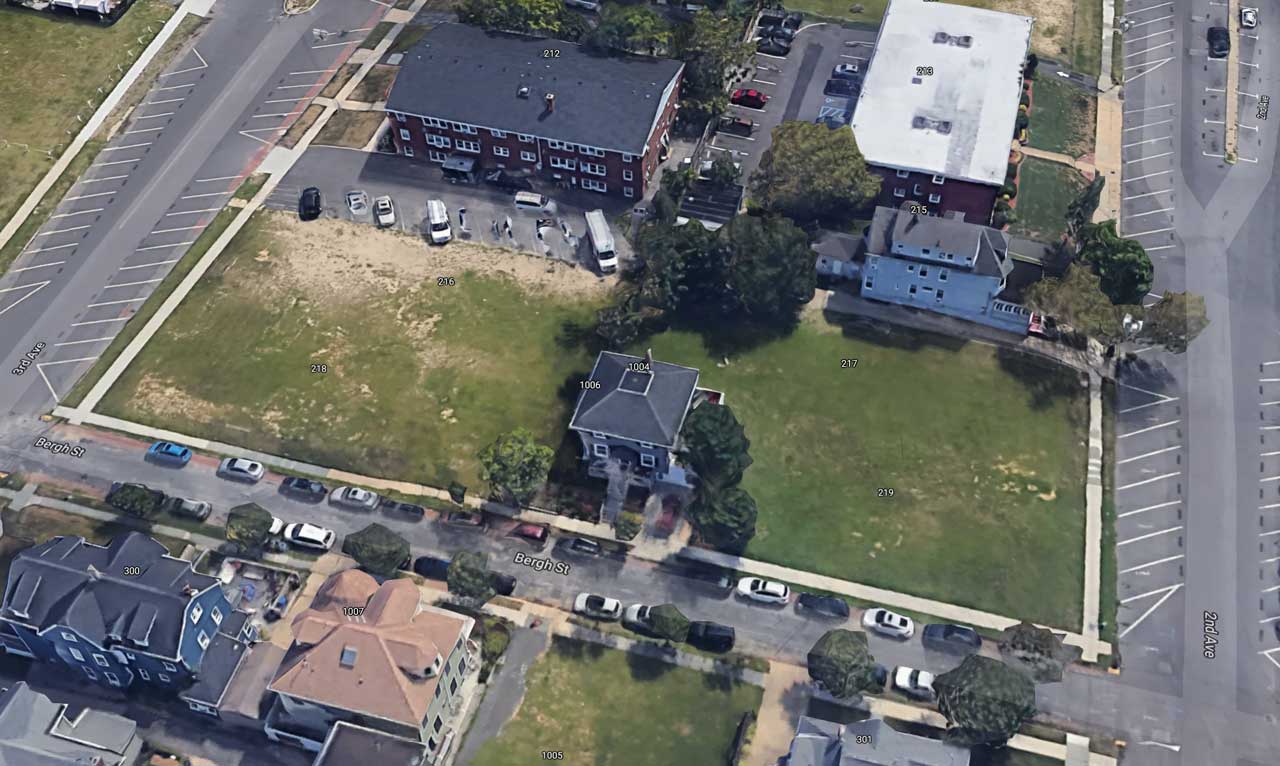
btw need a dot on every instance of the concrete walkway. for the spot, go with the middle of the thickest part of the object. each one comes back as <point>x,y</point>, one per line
<point>1079,163</point>
<point>1093,519</point>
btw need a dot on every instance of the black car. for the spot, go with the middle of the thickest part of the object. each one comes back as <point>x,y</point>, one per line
<point>772,17</point>
<point>309,204</point>
<point>773,47</point>
<point>793,20</point>
<point>504,584</point>
<point>506,181</point>
<point>840,87</point>
<point>710,636</point>
<point>431,567</point>
<point>953,639</point>
<point>415,512</point>
<point>827,606</point>
<point>1219,42</point>
<point>880,675</point>
<point>307,489</point>
<point>739,126</point>
<point>777,33</point>
<point>712,575</point>
<point>579,545</point>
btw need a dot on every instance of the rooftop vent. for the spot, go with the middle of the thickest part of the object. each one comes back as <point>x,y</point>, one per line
<point>924,123</point>
<point>348,657</point>
<point>551,102</point>
<point>523,91</point>
<point>960,41</point>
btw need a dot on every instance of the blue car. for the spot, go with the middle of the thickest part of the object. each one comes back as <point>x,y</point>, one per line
<point>169,453</point>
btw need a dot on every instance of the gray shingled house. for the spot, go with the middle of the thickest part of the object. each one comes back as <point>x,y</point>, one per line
<point>867,743</point>
<point>36,731</point>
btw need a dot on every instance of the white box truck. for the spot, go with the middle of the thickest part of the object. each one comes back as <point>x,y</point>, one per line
<point>601,241</point>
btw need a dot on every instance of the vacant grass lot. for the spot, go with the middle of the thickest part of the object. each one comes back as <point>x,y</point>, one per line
<point>53,67</point>
<point>1045,189</point>
<point>982,451</point>
<point>609,708</point>
<point>1063,117</point>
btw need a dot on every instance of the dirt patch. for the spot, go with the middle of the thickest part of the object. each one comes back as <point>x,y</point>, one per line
<point>351,129</point>
<point>300,126</point>
<point>155,395</point>
<point>1055,21</point>
<point>376,83</point>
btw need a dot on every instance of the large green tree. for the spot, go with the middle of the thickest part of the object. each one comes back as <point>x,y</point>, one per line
<point>249,526</point>
<point>712,48</point>
<point>715,445</point>
<point>634,28</point>
<point>377,549</point>
<point>515,465</point>
<point>1037,651</point>
<point>1077,299</point>
<point>1122,264</point>
<point>724,518</point>
<point>842,664</point>
<point>1175,321</point>
<point>812,172</point>
<point>985,701</point>
<point>470,579</point>
<point>1080,211</point>
<point>766,269</point>
<point>539,17</point>
<point>669,622</point>
<point>136,500</point>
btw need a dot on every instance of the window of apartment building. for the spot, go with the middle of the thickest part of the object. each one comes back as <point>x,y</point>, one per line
<point>916,190</point>
<point>525,138</point>
<point>197,612</point>
<point>911,267</point>
<point>75,653</point>
<point>596,186</point>
<point>453,686</point>
<point>904,173</point>
<point>911,290</point>
<point>558,145</point>
<point>647,460</point>
<point>939,180</point>
<point>497,133</point>
<point>112,679</point>
<point>203,640</point>
<point>216,614</point>
<point>439,689</point>
<point>594,168</point>
<point>899,193</point>
<point>169,666</point>
<point>563,164</point>
<point>462,127</point>
<point>924,271</point>
<point>88,671</point>
<point>600,450</point>
<point>437,724</point>
<point>628,192</point>
<point>942,275</point>
<point>935,198</point>
<point>940,294</point>
<point>501,151</point>
<point>435,156</point>
<point>432,744</point>
<point>464,145</point>
<point>441,141</point>
<point>627,175</point>
<point>869,284</point>
<point>528,156</point>
<point>68,636</point>
<point>404,135</point>
<point>462,665</point>
<point>408,150</point>
<point>143,674</point>
<point>101,661</point>
<point>164,678</point>
<point>590,151</point>
<point>628,158</point>
<point>399,116</point>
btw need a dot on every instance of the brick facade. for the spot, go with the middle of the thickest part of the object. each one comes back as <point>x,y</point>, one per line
<point>939,195</point>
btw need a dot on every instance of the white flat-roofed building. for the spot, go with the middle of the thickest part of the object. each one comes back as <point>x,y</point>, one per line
<point>935,118</point>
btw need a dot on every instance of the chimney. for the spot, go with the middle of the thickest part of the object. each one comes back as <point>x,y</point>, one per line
<point>648,358</point>
<point>93,572</point>
<point>551,102</point>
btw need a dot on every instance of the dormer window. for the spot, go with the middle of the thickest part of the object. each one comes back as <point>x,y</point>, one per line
<point>197,612</point>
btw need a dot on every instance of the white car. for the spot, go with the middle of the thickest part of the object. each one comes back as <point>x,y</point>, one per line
<point>277,526</point>
<point>438,222</point>
<point>888,623</point>
<point>1248,17</point>
<point>241,469</point>
<point>917,684</point>
<point>354,497</point>
<point>309,536</point>
<point>845,72</point>
<point>764,591</point>
<point>357,202</point>
<point>384,212</point>
<point>598,607</point>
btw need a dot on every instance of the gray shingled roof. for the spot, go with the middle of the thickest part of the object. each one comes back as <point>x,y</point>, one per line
<point>34,732</point>
<point>464,74</point>
<point>68,581</point>
<point>351,745</point>
<point>893,225</point>
<point>640,406</point>
<point>867,743</point>
<point>220,662</point>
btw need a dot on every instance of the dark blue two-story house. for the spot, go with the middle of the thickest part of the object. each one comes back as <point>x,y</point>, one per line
<point>120,614</point>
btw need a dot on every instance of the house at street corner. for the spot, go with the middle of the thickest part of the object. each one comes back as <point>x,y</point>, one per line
<point>867,743</point>
<point>378,658</point>
<point>937,112</point>
<point>545,109</point>
<point>36,731</point>
<point>120,614</point>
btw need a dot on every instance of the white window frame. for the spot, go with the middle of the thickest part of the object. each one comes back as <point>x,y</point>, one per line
<point>497,133</point>
<point>628,158</point>
<point>525,138</point>
<point>112,678</point>
<point>436,156</point>
<point>101,661</point>
<point>216,614</point>
<point>75,653</point>
<point>869,284</point>
<point>628,192</point>
<point>197,612</point>
<point>408,150</point>
<point>563,163</point>
<point>164,678</point>
<point>900,193</point>
<point>90,672</point>
<point>66,636</point>
<point>169,666</point>
<point>463,145</point>
<point>942,275</point>
<point>399,116</point>
<point>405,135</point>
<point>935,199</point>
<point>441,142</point>
<point>501,151</point>
<point>904,173</point>
<point>627,175</point>
<point>527,156</point>
<point>562,146</point>
<point>203,640</point>
<point>939,180</point>
<point>600,450</point>
<point>915,189</point>
<point>594,168</point>
<point>647,460</point>
<point>590,184</point>
<point>462,127</point>
<point>143,674</point>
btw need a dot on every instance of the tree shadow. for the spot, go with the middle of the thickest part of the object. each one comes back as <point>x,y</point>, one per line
<point>1045,381</point>
<point>886,335</point>
<point>576,649</point>
<point>646,664</point>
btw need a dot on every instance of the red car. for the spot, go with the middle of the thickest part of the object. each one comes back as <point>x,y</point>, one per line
<point>749,97</point>
<point>535,534</point>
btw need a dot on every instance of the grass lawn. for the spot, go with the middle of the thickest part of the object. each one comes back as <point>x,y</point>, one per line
<point>42,94</point>
<point>609,708</point>
<point>1063,117</point>
<point>409,37</point>
<point>379,31</point>
<point>350,128</point>
<point>375,84</point>
<point>1045,190</point>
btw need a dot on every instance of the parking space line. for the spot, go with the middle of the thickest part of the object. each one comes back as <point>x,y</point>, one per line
<point>180,228</point>
<point>1246,63</point>
<point>60,231</point>
<point>1242,158</point>
<point>81,342</point>
<point>1145,233</point>
<point>203,65</point>
<point>1152,480</point>
<point>117,162</point>
<point>33,268</point>
<point>209,194</point>
<point>193,212</point>
<point>1215,156</point>
<point>166,101</point>
<point>1272,533</point>
<point>1271,560</point>
<point>161,247</point>
<point>1148,194</point>
<point>1147,141</point>
<point>1148,175</point>
<point>141,130</point>
<point>1147,108</point>
<point>1148,429</point>
<point>1148,37</point>
<point>129,146</point>
<point>149,265</point>
<point>116,303</point>
<point>1148,50</point>
<point>99,321</point>
<point>1131,11</point>
<point>1164,560</point>
<point>284,100</point>
<point>1150,212</point>
<point>1269,428</point>
<point>174,87</point>
<point>131,284</point>
<point>1207,89</point>
<point>1147,125</point>
<point>78,212</point>
<point>293,87</point>
<point>274,114</point>
<point>156,116</point>
<point>1152,21</point>
<point>1155,507</point>
<point>1208,121</point>
<point>1242,126</point>
<point>1265,621</point>
<point>211,180</point>
<point>1148,536</point>
<point>782,58</point>
<point>1151,157</point>
<point>87,196</point>
<point>336,45</point>
<point>1168,592</point>
<point>55,247</point>
<point>1269,507</point>
<point>96,180</point>
<point>314,71</point>
<point>1268,479</point>
<point>1246,95</point>
<point>1149,454</point>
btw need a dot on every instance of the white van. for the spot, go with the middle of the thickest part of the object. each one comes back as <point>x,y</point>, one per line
<point>527,200</point>
<point>602,241</point>
<point>438,222</point>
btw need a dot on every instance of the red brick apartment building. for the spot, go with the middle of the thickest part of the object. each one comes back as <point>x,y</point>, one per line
<point>534,106</point>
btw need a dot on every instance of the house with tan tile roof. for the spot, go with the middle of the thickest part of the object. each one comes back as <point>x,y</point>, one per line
<point>374,656</point>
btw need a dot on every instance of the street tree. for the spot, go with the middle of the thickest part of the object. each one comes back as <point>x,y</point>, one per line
<point>1122,265</point>
<point>248,527</point>
<point>715,445</point>
<point>1077,299</point>
<point>538,17</point>
<point>724,172</point>
<point>470,579</point>
<point>1081,209</point>
<point>766,270</point>
<point>841,663</point>
<point>377,549</point>
<point>713,51</point>
<point>811,172</point>
<point>634,28</point>
<point>1175,321</point>
<point>515,466</point>
<point>136,500</point>
<point>1036,651</point>
<point>669,622</point>
<point>985,701</point>
<point>724,518</point>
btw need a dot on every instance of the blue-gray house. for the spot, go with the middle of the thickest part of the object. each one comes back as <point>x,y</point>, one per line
<point>945,265</point>
<point>118,614</point>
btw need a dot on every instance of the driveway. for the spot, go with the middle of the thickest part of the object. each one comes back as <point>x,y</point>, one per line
<point>505,692</point>
<point>335,171</point>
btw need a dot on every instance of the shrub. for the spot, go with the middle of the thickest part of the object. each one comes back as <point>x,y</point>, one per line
<point>628,525</point>
<point>1009,190</point>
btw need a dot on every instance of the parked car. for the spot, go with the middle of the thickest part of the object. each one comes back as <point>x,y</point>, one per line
<point>597,607</point>
<point>586,5</point>
<point>579,545</point>
<point>241,469</point>
<point>354,498</point>
<point>953,639</point>
<point>438,222</point>
<point>169,453</point>
<point>535,534</point>
<point>636,618</point>
<point>384,211</point>
<point>710,636</point>
<point>305,489</point>
<point>1248,17</point>
<point>783,33</point>
<point>431,567</point>
<point>793,20</point>
<point>309,204</point>
<point>772,17</point>
<point>527,200</point>
<point>1219,42</point>
<point>749,97</point>
<point>917,684</point>
<point>277,526</point>
<point>845,72</point>
<point>826,606</point>
<point>839,87</point>
<point>772,46</point>
<point>764,591</point>
<point>358,202</point>
<point>880,674</point>
<point>738,126</point>
<point>503,584</point>
<point>415,512</point>
<point>888,623</point>
<point>504,180</point>
<point>465,519</point>
<point>194,509</point>
<point>711,575</point>
<point>310,536</point>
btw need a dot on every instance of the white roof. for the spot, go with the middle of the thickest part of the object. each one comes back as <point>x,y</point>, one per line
<point>957,122</point>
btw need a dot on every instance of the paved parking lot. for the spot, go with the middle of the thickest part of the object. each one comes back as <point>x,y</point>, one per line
<point>794,84</point>
<point>487,210</point>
